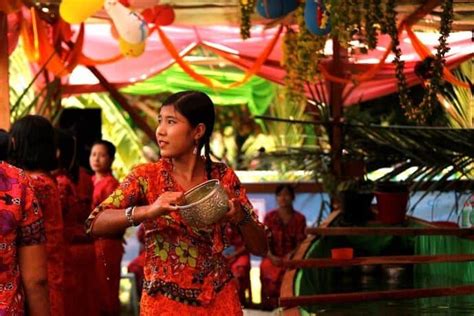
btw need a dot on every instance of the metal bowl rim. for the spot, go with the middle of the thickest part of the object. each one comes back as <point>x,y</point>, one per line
<point>187,206</point>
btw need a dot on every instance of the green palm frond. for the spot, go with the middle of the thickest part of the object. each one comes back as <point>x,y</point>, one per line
<point>459,103</point>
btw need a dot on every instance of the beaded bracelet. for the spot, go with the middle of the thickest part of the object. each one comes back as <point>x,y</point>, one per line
<point>129,212</point>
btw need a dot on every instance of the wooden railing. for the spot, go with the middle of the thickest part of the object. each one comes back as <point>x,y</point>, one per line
<point>289,301</point>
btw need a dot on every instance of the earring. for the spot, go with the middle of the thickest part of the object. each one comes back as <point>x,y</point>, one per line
<point>195,150</point>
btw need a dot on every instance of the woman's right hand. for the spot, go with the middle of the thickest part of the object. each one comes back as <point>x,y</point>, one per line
<point>165,203</point>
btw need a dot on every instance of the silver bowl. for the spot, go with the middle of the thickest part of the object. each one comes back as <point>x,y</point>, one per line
<point>205,204</point>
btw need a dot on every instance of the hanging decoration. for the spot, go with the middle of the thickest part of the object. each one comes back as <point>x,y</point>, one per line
<point>10,6</point>
<point>316,16</point>
<point>130,49</point>
<point>302,52</point>
<point>160,15</point>
<point>14,26</point>
<point>422,113</point>
<point>77,11</point>
<point>273,9</point>
<point>246,9</point>
<point>130,25</point>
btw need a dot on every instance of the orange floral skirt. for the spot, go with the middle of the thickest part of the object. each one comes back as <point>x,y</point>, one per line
<point>226,302</point>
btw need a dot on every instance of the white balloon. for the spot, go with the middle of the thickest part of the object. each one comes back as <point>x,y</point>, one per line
<point>130,25</point>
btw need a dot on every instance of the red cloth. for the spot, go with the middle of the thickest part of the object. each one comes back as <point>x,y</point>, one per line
<point>184,264</point>
<point>84,190</point>
<point>108,252</point>
<point>46,191</point>
<point>239,265</point>
<point>227,42</point>
<point>79,263</point>
<point>103,188</point>
<point>284,239</point>
<point>137,266</point>
<point>21,225</point>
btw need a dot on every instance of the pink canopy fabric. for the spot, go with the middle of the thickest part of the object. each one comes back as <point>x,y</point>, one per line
<point>226,41</point>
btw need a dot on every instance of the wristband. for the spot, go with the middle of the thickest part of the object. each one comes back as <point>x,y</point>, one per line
<point>129,212</point>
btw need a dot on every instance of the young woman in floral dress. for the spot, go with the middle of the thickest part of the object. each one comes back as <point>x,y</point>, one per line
<point>185,270</point>
<point>108,251</point>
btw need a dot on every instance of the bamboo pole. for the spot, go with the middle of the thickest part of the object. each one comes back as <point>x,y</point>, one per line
<point>386,260</point>
<point>4,82</point>
<point>117,96</point>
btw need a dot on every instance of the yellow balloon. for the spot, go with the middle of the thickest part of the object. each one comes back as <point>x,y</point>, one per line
<point>77,11</point>
<point>131,50</point>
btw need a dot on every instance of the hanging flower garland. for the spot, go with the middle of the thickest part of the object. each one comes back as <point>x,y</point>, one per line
<point>302,52</point>
<point>246,9</point>
<point>420,113</point>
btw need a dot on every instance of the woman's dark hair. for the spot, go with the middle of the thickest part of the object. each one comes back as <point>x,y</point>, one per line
<point>67,158</point>
<point>197,108</point>
<point>108,146</point>
<point>288,187</point>
<point>4,144</point>
<point>33,145</point>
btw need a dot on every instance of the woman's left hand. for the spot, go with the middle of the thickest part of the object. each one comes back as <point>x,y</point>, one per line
<point>235,213</point>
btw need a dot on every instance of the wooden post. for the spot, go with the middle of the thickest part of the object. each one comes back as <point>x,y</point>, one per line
<point>117,96</point>
<point>335,101</point>
<point>4,83</point>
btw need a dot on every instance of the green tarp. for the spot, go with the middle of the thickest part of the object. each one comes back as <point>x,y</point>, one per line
<point>258,93</point>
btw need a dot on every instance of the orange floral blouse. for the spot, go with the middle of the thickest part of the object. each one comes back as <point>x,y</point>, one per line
<point>181,263</point>
<point>21,224</point>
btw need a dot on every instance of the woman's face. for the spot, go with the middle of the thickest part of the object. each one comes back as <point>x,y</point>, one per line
<point>99,159</point>
<point>284,198</point>
<point>174,135</point>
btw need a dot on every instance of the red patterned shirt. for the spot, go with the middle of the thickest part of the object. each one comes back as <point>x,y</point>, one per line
<point>21,224</point>
<point>285,237</point>
<point>181,263</point>
<point>103,188</point>
<point>46,190</point>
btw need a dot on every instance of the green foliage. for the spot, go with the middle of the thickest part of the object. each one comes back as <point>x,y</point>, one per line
<point>459,103</point>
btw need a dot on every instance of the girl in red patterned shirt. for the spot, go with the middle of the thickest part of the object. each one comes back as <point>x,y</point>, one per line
<point>185,270</point>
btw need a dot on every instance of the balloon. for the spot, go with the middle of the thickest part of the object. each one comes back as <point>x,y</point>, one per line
<point>131,50</point>
<point>316,17</point>
<point>77,11</point>
<point>272,9</point>
<point>130,25</point>
<point>160,14</point>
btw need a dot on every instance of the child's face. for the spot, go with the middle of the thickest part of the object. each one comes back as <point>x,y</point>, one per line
<point>99,159</point>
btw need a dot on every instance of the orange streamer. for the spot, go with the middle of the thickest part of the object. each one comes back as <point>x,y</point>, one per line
<point>87,61</point>
<point>212,83</point>
<point>424,52</point>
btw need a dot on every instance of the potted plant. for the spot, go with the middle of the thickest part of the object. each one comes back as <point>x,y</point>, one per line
<point>392,201</point>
